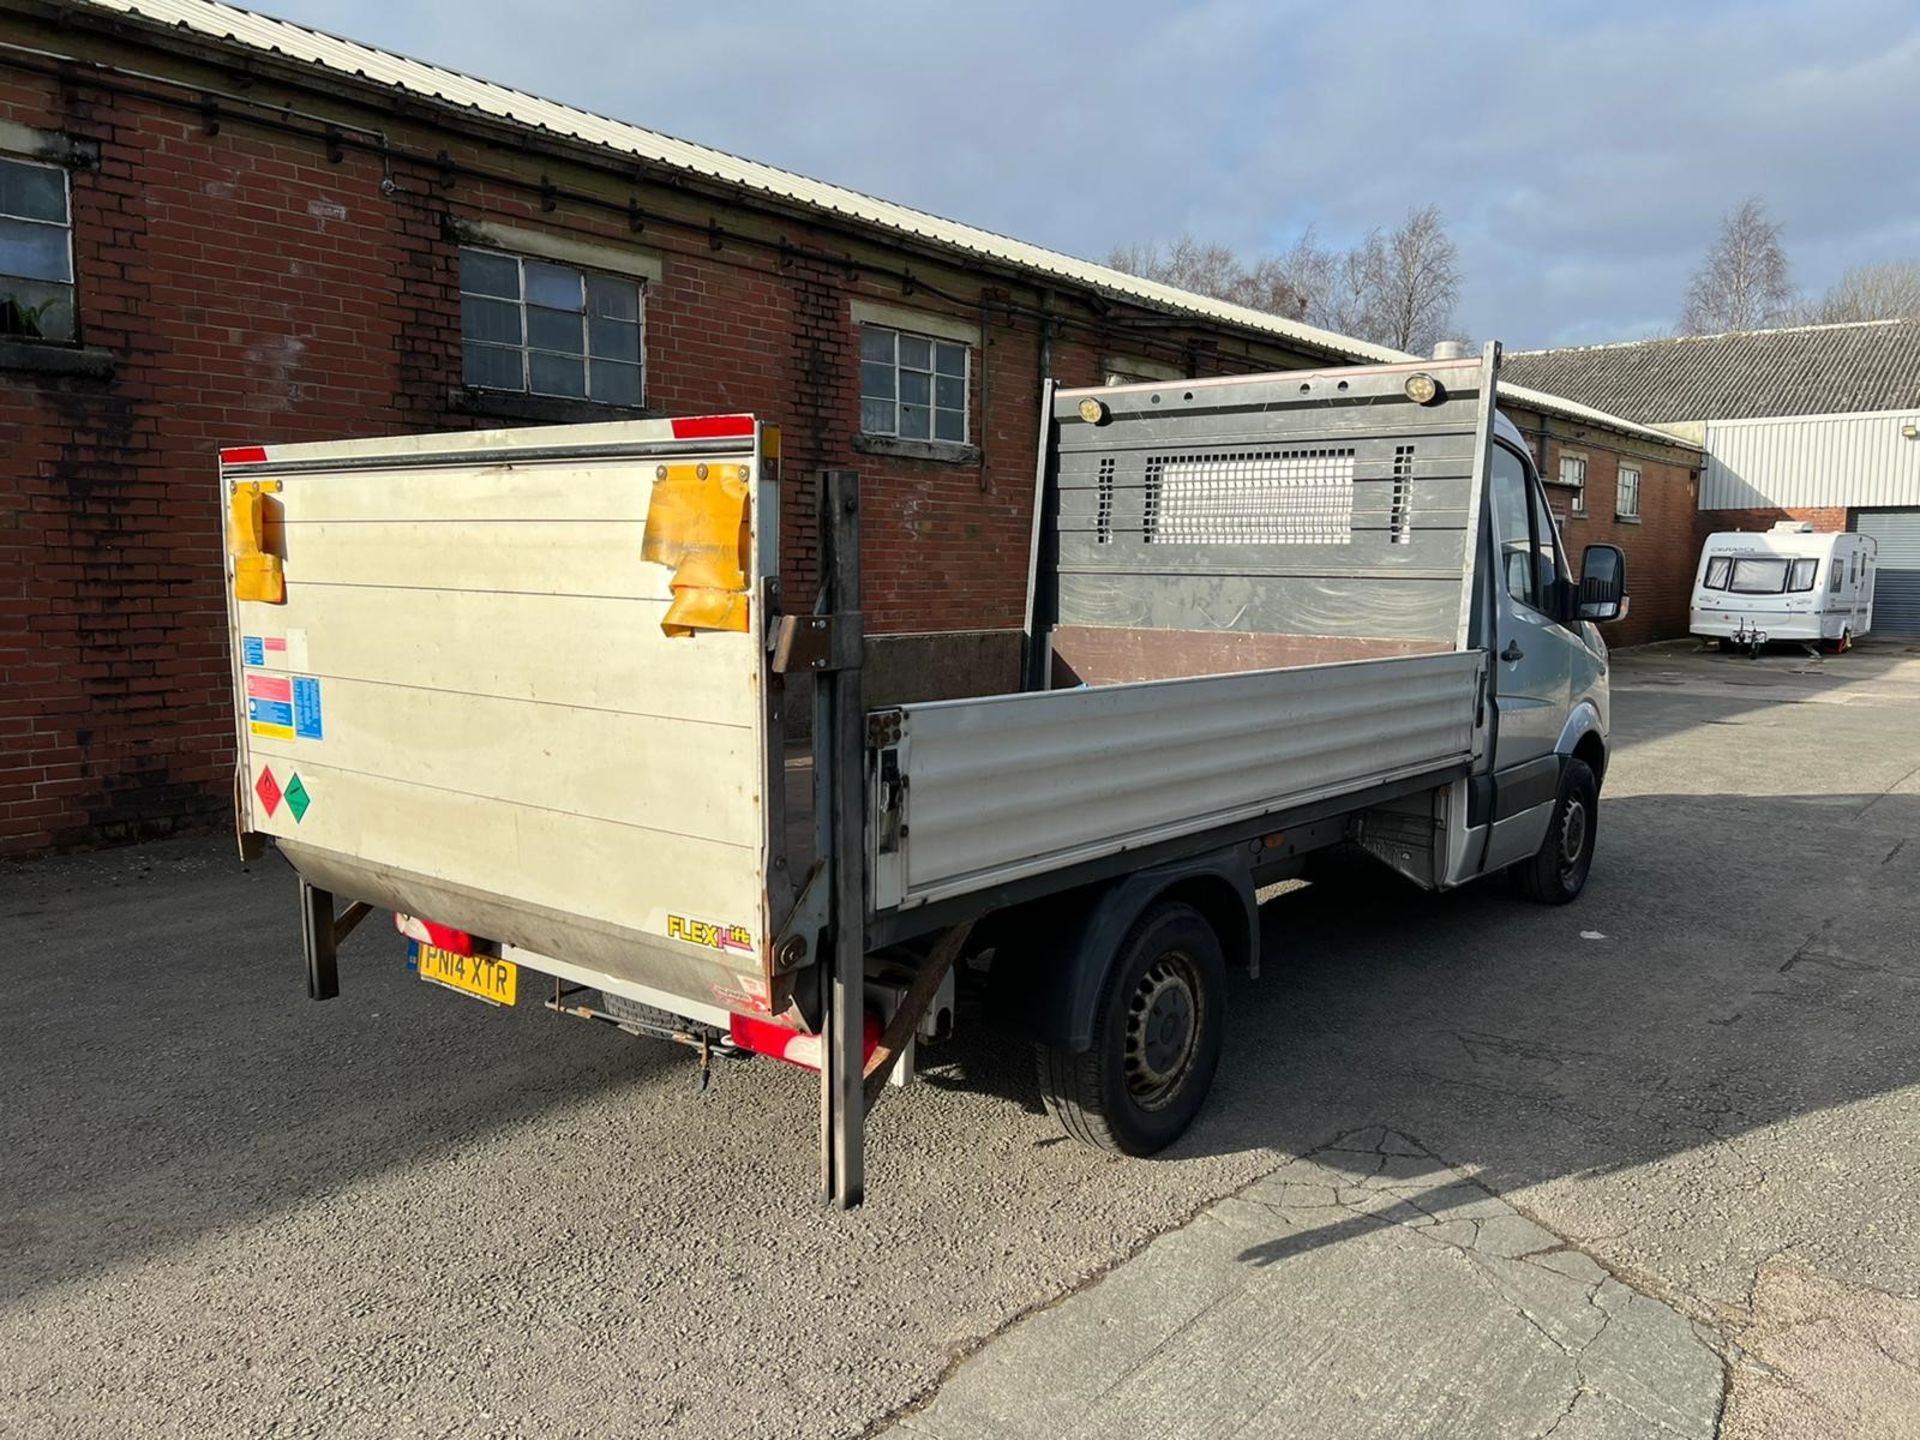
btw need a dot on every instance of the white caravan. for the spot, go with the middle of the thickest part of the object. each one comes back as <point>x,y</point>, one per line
<point>1788,583</point>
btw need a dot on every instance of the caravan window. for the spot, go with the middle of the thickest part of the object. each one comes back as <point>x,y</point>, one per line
<point>1757,576</point>
<point>1803,573</point>
<point>1717,569</point>
<point>1833,577</point>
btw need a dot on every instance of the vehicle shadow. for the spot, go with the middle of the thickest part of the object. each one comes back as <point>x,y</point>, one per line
<point>1697,991</point>
<point>1703,987</point>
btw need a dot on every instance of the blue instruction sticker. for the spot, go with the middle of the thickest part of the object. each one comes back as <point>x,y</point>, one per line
<point>276,713</point>
<point>253,649</point>
<point>306,708</point>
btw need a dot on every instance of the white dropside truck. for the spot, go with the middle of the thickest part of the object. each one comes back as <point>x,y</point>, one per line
<point>1789,583</point>
<point>528,690</point>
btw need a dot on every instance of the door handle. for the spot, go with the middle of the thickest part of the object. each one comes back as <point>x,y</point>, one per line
<point>1513,652</point>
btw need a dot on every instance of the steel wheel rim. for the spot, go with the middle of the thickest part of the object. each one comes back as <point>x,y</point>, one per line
<point>1573,836</point>
<point>1163,1030</point>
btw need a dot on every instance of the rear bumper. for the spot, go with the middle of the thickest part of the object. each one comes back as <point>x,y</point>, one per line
<point>1774,627</point>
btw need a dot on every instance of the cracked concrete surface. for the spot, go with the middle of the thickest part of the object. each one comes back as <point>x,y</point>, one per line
<point>1365,1288</point>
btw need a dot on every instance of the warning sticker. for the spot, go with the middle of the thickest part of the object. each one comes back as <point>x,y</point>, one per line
<point>254,649</point>
<point>268,789</point>
<point>306,709</point>
<point>270,706</point>
<point>298,799</point>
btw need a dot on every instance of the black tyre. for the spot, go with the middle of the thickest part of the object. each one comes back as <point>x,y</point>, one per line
<point>1156,1039</point>
<point>1558,872</point>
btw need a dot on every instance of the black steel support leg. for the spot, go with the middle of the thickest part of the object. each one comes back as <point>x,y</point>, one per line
<point>321,941</point>
<point>321,932</point>
<point>839,757</point>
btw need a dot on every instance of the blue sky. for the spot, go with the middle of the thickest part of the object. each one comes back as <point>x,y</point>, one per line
<point>1582,154</point>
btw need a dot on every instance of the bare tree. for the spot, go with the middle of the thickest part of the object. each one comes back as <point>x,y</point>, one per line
<point>1889,291</point>
<point>1413,279</point>
<point>1187,264</point>
<point>1743,283</point>
<point>1348,304</point>
<point>1295,284</point>
<point>1393,288</point>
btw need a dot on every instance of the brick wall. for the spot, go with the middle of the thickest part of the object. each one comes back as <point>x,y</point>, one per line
<point>1826,518</point>
<point>1660,546</point>
<point>241,283</point>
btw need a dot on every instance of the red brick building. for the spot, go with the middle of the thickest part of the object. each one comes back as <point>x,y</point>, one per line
<point>1814,423</point>
<point>217,228</point>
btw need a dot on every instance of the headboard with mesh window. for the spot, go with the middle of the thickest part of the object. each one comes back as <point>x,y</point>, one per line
<point>1201,526</point>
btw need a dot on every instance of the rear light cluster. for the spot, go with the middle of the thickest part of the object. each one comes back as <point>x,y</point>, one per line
<point>763,1037</point>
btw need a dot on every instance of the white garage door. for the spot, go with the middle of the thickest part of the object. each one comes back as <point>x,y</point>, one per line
<point>1896,587</point>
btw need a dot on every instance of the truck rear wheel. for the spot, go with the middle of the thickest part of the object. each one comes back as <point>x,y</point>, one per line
<point>1156,1038</point>
<point>1558,871</point>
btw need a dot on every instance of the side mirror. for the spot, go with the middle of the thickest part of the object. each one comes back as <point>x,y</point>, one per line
<point>1603,584</point>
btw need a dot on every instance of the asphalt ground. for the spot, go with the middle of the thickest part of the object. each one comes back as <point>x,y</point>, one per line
<point>226,1210</point>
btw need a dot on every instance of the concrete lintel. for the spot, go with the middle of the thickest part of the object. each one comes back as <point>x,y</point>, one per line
<point>918,322</point>
<point>566,249</point>
<point>46,145</point>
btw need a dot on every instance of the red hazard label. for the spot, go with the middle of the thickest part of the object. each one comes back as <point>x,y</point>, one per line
<point>268,789</point>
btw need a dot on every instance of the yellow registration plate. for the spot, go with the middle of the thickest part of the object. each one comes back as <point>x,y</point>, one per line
<point>495,981</point>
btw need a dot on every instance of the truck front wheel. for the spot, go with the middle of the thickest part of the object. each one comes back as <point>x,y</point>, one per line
<point>1156,1038</point>
<point>1558,871</point>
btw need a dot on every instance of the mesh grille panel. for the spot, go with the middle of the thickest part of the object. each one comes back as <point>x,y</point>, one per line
<point>1103,515</point>
<point>1250,497</point>
<point>1400,526</point>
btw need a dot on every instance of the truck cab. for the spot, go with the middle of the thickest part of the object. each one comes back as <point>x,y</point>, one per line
<point>1549,676</point>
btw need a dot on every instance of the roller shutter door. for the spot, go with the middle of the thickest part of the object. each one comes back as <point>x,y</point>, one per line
<point>1896,586</point>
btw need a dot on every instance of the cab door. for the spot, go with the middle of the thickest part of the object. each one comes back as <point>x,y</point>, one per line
<point>1532,657</point>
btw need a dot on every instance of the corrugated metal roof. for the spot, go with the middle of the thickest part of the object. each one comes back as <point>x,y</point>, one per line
<point>1800,370</point>
<point>299,43</point>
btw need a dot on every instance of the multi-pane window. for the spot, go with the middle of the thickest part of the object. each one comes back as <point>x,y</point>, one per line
<point>912,386</point>
<point>547,329</point>
<point>1626,500</point>
<point>1573,473</point>
<point>36,252</point>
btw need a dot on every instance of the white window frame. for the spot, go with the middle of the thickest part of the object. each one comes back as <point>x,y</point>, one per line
<point>936,343</point>
<point>71,283</point>
<point>1573,475</point>
<point>1622,510</point>
<point>526,350</point>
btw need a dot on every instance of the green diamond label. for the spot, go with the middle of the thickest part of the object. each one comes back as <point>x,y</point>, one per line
<point>297,798</point>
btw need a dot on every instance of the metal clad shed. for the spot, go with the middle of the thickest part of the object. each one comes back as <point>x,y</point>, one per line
<point>1804,461</point>
<point>1896,586</point>
<point>1866,465</point>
